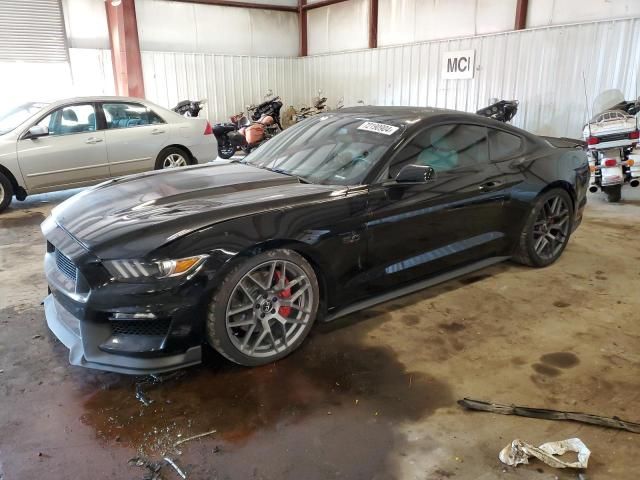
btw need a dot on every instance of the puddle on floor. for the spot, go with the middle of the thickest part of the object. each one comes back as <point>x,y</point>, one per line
<point>333,390</point>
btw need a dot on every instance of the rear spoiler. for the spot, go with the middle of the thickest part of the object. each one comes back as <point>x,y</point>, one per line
<point>564,142</point>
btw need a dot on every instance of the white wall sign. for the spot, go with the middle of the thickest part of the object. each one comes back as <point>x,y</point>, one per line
<point>458,65</point>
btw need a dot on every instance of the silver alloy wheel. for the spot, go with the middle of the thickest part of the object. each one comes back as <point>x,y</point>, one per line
<point>269,309</point>
<point>1,192</point>
<point>551,228</point>
<point>174,160</point>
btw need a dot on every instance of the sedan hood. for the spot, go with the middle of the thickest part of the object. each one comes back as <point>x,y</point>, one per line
<point>131,216</point>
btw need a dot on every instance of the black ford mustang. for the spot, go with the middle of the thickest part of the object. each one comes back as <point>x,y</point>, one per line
<point>339,212</point>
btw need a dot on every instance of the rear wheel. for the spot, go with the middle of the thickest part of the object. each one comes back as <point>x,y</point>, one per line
<point>264,308</point>
<point>172,157</point>
<point>547,229</point>
<point>614,194</point>
<point>6,192</point>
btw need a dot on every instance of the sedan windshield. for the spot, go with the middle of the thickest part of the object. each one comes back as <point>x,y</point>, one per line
<point>13,116</point>
<point>332,149</point>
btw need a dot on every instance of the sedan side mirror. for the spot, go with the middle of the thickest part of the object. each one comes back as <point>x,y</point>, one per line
<point>38,131</point>
<point>416,174</point>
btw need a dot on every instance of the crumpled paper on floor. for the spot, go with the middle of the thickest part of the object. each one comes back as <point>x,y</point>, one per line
<point>519,452</point>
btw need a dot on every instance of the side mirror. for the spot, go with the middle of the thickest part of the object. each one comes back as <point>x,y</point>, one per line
<point>416,174</point>
<point>38,131</point>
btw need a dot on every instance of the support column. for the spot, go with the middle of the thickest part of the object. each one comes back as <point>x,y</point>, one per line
<point>302,27</point>
<point>373,23</point>
<point>125,48</point>
<point>521,14</point>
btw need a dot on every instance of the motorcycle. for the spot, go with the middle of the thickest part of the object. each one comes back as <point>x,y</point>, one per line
<point>500,110</point>
<point>190,108</point>
<point>612,137</point>
<point>243,134</point>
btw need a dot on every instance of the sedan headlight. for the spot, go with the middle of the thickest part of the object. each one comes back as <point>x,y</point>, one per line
<point>132,270</point>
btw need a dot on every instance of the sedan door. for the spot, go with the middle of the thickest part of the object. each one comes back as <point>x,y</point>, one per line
<point>421,229</point>
<point>73,154</point>
<point>135,136</point>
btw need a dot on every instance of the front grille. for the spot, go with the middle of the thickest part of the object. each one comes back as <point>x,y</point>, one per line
<point>65,265</point>
<point>140,327</point>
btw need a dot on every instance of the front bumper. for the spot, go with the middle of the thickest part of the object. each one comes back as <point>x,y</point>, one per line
<point>82,339</point>
<point>119,327</point>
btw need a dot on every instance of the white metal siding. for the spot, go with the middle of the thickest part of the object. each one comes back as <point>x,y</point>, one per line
<point>229,83</point>
<point>32,31</point>
<point>542,68</point>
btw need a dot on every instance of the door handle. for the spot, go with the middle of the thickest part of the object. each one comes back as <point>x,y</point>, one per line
<point>92,140</point>
<point>156,131</point>
<point>492,185</point>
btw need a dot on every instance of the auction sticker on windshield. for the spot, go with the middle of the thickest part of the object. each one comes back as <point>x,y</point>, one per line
<point>378,128</point>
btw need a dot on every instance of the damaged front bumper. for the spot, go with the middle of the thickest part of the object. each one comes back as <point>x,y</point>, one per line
<point>83,340</point>
<point>108,325</point>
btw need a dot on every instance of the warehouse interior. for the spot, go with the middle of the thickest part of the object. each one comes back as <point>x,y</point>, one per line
<point>373,394</point>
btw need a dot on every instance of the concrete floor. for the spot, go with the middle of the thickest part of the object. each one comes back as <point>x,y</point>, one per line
<point>370,397</point>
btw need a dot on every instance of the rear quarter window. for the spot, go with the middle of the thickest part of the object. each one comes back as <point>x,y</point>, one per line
<point>503,145</point>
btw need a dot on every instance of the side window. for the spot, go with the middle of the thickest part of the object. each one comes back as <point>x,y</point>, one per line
<point>445,148</point>
<point>127,115</point>
<point>70,119</point>
<point>503,145</point>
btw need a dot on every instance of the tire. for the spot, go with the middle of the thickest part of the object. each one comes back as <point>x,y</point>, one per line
<point>6,192</point>
<point>535,247</point>
<point>175,155</point>
<point>614,194</point>
<point>239,311</point>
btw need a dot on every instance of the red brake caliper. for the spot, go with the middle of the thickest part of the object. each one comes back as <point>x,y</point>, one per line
<point>286,293</point>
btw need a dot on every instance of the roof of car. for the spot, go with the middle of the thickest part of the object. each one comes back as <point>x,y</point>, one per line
<point>396,115</point>
<point>104,98</point>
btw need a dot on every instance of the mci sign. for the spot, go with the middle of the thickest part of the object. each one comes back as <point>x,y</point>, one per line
<point>458,65</point>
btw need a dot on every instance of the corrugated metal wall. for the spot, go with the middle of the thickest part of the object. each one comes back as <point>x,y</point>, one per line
<point>542,68</point>
<point>229,83</point>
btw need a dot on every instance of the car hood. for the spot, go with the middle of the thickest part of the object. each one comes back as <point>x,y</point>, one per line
<point>131,216</point>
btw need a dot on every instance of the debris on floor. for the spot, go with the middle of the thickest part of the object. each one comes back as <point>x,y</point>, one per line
<point>152,468</point>
<point>546,414</point>
<point>518,452</point>
<point>175,467</point>
<point>194,437</point>
<point>154,380</point>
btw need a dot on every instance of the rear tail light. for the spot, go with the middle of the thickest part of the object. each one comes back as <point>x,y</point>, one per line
<point>610,162</point>
<point>635,135</point>
<point>593,140</point>
<point>208,130</point>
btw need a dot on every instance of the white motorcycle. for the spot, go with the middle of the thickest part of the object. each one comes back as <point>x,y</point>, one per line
<point>612,138</point>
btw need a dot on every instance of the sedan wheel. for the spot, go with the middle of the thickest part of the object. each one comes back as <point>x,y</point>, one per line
<point>547,230</point>
<point>264,308</point>
<point>174,160</point>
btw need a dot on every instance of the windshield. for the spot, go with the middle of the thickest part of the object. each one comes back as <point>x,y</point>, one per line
<point>13,116</point>
<point>332,149</point>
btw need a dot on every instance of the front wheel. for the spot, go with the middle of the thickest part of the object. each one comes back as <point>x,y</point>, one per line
<point>614,194</point>
<point>6,192</point>
<point>264,308</point>
<point>547,229</point>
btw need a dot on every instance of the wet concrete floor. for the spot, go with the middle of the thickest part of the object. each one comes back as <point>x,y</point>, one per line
<point>371,396</point>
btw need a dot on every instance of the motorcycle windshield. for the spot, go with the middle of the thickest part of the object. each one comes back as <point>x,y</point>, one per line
<point>606,100</point>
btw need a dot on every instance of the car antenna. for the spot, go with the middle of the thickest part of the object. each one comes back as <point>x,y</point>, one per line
<point>586,99</point>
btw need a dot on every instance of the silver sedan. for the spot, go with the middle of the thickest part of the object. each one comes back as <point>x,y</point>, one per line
<point>82,141</point>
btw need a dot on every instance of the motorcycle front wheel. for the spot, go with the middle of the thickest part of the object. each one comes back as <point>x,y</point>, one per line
<point>226,151</point>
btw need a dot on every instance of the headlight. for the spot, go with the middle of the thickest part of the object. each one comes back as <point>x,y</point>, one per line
<point>140,270</point>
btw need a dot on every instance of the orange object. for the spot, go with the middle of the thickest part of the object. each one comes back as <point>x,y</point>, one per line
<point>254,133</point>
